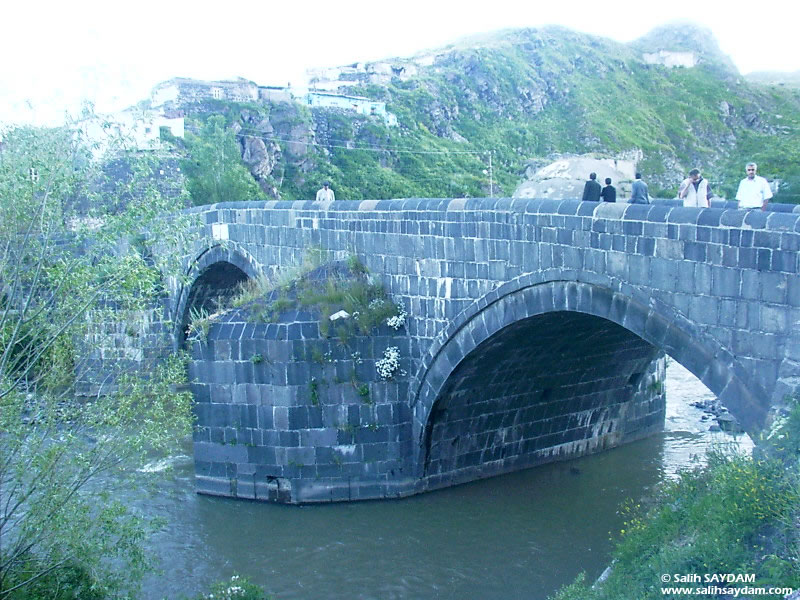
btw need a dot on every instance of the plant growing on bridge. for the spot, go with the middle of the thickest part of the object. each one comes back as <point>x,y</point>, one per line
<point>64,459</point>
<point>199,325</point>
<point>283,279</point>
<point>399,320</point>
<point>327,289</point>
<point>367,303</point>
<point>389,364</point>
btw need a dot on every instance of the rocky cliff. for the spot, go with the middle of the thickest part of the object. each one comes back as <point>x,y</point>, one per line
<point>671,99</point>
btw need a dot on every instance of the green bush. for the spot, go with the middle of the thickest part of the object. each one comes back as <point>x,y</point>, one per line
<point>69,582</point>
<point>735,515</point>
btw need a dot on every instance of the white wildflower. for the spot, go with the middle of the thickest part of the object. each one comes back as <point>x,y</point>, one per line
<point>399,320</point>
<point>389,364</point>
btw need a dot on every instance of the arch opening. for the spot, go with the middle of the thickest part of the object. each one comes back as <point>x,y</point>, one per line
<point>506,319</point>
<point>214,287</point>
<point>545,387</point>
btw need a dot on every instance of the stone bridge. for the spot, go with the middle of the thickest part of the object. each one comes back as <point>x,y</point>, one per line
<point>536,331</point>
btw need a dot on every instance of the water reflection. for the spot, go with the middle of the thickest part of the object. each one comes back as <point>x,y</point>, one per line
<point>516,536</point>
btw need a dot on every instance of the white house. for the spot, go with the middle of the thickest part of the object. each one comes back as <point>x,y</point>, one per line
<point>181,90</point>
<point>131,128</point>
<point>359,104</point>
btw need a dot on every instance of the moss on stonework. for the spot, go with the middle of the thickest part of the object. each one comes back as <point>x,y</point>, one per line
<point>347,299</point>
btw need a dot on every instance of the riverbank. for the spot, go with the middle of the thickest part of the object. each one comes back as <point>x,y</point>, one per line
<point>730,524</point>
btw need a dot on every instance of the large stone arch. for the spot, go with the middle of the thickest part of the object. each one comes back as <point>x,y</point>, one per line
<point>228,263</point>
<point>594,295</point>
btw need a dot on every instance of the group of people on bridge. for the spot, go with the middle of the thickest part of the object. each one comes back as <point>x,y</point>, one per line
<point>753,193</point>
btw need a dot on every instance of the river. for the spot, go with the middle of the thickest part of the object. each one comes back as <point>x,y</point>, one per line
<point>516,536</point>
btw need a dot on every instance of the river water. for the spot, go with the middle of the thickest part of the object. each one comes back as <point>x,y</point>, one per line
<point>521,535</point>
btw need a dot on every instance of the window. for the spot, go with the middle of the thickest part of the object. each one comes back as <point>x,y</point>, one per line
<point>34,174</point>
<point>216,93</point>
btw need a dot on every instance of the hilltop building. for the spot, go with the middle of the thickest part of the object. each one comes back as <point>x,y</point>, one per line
<point>178,92</point>
<point>359,104</point>
<point>134,128</point>
<point>140,127</point>
<point>274,93</point>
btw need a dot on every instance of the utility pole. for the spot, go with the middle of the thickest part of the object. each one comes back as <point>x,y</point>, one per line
<point>491,177</point>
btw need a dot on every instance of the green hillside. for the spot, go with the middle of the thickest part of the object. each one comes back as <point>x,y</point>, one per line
<point>531,94</point>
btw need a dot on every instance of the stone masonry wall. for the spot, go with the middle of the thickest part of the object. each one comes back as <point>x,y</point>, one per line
<point>725,279</point>
<point>114,346</point>
<point>286,415</point>
<point>716,289</point>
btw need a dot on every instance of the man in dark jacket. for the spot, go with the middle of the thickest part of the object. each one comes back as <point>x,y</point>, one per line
<point>591,191</point>
<point>639,193</point>
<point>609,192</point>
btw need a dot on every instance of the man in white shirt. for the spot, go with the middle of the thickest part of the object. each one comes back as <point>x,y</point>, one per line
<point>695,191</point>
<point>753,190</point>
<point>325,193</point>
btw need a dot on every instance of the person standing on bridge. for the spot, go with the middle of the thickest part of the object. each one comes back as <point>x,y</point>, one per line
<point>639,194</point>
<point>695,191</point>
<point>325,193</point>
<point>609,193</point>
<point>754,191</point>
<point>591,191</point>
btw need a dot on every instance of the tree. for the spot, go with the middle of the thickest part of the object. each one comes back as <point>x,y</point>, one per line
<point>64,458</point>
<point>215,171</point>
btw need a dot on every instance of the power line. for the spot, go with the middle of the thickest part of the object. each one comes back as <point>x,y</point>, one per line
<point>255,133</point>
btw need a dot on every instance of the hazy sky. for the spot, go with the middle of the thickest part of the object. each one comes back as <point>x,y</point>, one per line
<point>56,54</point>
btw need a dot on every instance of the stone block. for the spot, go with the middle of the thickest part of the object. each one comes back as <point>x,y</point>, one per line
<point>725,282</point>
<point>702,279</point>
<point>763,259</point>
<point>754,345</point>
<point>655,328</point>
<point>684,277</point>
<point>756,219</point>
<point>793,291</point>
<point>280,417</point>
<point>298,417</point>
<point>669,249</point>
<point>222,372</point>
<point>766,239</point>
<point>784,261</point>
<point>704,310</point>
<point>773,319</point>
<point>222,347</point>
<point>618,308</point>
<point>261,455</point>
<point>774,287</point>
<point>617,264</point>
<point>288,439</point>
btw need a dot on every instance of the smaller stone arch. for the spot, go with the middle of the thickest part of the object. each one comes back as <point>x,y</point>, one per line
<point>660,326</point>
<point>216,271</point>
